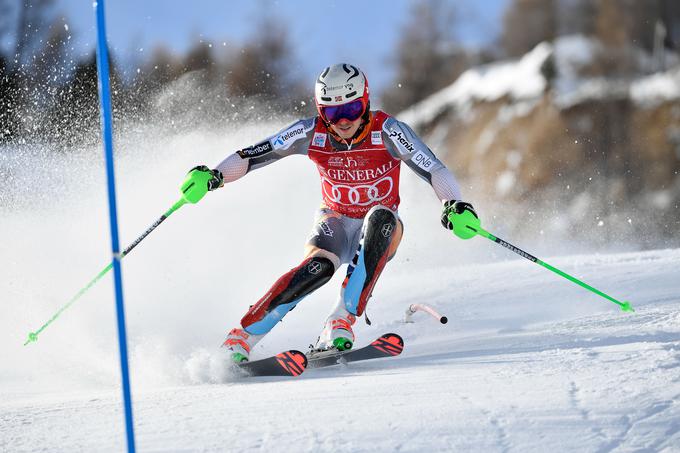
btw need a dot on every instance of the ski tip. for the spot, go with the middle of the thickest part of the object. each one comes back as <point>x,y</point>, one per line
<point>626,306</point>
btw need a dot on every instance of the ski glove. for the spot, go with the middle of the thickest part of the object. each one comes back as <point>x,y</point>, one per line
<point>455,206</point>
<point>216,181</point>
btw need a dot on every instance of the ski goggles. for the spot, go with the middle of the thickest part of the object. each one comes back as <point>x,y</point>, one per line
<point>350,111</point>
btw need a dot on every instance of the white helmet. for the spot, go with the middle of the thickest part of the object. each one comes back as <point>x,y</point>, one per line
<point>338,85</point>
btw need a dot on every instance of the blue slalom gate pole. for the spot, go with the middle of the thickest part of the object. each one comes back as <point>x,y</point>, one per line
<point>107,136</point>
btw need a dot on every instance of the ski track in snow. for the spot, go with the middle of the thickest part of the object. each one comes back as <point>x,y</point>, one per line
<point>603,381</point>
<point>528,362</point>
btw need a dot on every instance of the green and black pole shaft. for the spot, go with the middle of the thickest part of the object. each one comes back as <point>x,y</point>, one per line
<point>194,188</point>
<point>466,225</point>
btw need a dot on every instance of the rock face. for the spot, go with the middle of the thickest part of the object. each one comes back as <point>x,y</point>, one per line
<point>555,137</point>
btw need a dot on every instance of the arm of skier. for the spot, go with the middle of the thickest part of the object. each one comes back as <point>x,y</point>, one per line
<point>294,139</point>
<point>403,143</point>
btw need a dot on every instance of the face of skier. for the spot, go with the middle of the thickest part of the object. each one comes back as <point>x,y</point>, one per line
<point>346,128</point>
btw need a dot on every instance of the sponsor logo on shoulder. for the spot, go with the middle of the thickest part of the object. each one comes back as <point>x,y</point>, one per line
<point>399,138</point>
<point>255,150</point>
<point>422,160</point>
<point>319,139</point>
<point>290,135</point>
<point>376,138</point>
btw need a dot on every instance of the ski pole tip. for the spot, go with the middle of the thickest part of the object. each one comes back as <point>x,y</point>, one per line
<point>625,306</point>
<point>32,337</point>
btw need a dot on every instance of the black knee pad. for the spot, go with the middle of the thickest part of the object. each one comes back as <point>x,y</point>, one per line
<point>381,226</point>
<point>309,276</point>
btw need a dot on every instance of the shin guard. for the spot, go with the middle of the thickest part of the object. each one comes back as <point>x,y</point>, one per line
<point>286,293</point>
<point>380,233</point>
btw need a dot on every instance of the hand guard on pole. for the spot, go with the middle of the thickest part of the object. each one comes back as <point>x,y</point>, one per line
<point>456,215</point>
<point>199,181</point>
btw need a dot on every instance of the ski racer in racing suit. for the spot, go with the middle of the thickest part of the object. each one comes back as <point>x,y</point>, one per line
<point>358,153</point>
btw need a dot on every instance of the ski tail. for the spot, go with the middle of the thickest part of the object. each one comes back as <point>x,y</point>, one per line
<point>293,362</point>
<point>391,344</point>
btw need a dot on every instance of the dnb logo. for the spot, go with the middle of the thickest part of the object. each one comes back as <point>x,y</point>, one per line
<point>422,160</point>
<point>359,194</point>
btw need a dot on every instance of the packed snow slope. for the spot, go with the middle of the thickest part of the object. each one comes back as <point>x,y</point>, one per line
<point>527,362</point>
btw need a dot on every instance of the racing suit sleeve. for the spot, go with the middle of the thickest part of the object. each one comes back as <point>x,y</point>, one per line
<point>402,143</point>
<point>294,139</point>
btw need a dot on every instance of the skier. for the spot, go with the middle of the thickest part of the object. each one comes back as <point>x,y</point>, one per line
<point>358,153</point>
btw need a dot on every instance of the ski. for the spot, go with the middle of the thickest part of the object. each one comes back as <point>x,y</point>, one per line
<point>287,363</point>
<point>388,345</point>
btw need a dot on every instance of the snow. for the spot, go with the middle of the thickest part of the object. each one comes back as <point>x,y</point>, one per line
<point>657,88</point>
<point>527,362</point>
<point>519,80</point>
<point>493,380</point>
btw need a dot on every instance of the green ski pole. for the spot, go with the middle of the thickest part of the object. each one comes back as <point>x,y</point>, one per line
<point>466,225</point>
<point>194,187</point>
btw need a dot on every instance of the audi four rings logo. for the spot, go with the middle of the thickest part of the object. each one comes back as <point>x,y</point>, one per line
<point>359,195</point>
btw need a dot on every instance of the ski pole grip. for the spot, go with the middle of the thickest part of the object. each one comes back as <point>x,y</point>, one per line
<point>413,308</point>
<point>195,186</point>
<point>465,225</point>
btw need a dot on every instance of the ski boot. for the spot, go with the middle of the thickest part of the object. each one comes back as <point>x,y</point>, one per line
<point>240,342</point>
<point>337,332</point>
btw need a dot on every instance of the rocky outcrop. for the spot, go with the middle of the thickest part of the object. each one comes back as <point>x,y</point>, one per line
<point>550,134</point>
